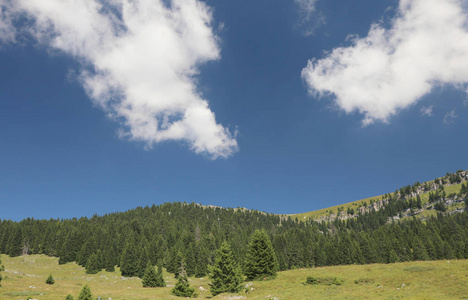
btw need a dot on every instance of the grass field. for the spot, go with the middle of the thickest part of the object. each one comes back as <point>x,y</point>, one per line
<point>25,277</point>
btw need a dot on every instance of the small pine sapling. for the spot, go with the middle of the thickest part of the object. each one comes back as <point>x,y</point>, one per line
<point>50,280</point>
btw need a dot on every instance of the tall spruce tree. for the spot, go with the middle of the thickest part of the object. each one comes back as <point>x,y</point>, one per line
<point>225,274</point>
<point>16,243</point>
<point>150,277</point>
<point>93,264</point>
<point>261,259</point>
<point>111,260</point>
<point>129,260</point>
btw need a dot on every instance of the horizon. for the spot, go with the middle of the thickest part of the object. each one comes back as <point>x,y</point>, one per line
<point>284,107</point>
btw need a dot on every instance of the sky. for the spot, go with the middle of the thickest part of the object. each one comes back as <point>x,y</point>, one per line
<point>280,106</point>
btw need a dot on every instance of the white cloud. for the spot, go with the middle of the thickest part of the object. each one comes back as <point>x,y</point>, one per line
<point>7,30</point>
<point>309,19</point>
<point>426,110</point>
<point>139,61</point>
<point>391,69</point>
<point>450,117</point>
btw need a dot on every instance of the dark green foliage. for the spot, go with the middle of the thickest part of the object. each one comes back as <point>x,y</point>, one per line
<point>50,280</point>
<point>16,243</point>
<point>159,277</point>
<point>393,257</point>
<point>129,261</point>
<point>225,274</point>
<point>312,280</point>
<point>110,259</point>
<point>1,279</point>
<point>85,294</point>
<point>150,277</point>
<point>69,297</point>
<point>93,264</point>
<point>183,288</point>
<point>261,258</point>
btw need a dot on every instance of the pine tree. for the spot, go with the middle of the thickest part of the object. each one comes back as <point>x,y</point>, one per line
<point>129,259</point>
<point>50,280</point>
<point>393,257</point>
<point>261,258</point>
<point>142,262</point>
<point>110,260</point>
<point>93,265</point>
<point>69,297</point>
<point>225,274</point>
<point>16,243</point>
<point>183,288</point>
<point>1,279</point>
<point>150,277</point>
<point>159,277</point>
<point>85,294</point>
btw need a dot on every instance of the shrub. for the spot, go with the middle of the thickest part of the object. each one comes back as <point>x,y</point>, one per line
<point>69,297</point>
<point>312,280</point>
<point>50,280</point>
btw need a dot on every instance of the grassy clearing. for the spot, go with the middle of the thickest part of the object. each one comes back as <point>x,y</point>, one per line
<point>25,277</point>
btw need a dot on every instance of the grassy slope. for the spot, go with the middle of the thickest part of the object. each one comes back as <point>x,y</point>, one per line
<point>422,280</point>
<point>355,204</point>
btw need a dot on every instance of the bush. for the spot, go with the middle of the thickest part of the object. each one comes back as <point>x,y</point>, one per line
<point>312,280</point>
<point>50,280</point>
<point>69,297</point>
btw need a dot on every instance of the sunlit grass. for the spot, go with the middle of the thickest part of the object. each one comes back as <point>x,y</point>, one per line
<point>25,277</point>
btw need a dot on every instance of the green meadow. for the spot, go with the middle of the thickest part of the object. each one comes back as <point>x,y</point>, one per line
<point>25,278</point>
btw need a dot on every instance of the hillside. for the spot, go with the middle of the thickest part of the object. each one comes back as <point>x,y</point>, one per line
<point>25,277</point>
<point>450,184</point>
<point>419,222</point>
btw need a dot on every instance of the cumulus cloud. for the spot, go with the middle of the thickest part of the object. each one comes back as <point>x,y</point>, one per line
<point>426,110</point>
<point>392,68</point>
<point>309,18</point>
<point>139,61</point>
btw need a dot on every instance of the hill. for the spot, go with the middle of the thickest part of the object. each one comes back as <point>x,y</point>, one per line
<point>25,277</point>
<point>449,187</point>
<point>419,222</point>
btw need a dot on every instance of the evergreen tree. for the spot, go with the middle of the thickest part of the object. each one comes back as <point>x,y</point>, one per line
<point>225,275</point>
<point>93,264</point>
<point>1,279</point>
<point>50,280</point>
<point>393,257</point>
<point>149,278</point>
<point>16,243</point>
<point>110,260</point>
<point>159,277</point>
<point>261,258</point>
<point>69,297</point>
<point>85,294</point>
<point>183,288</point>
<point>142,262</point>
<point>129,259</point>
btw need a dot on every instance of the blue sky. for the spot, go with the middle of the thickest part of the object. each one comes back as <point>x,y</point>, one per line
<point>109,105</point>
